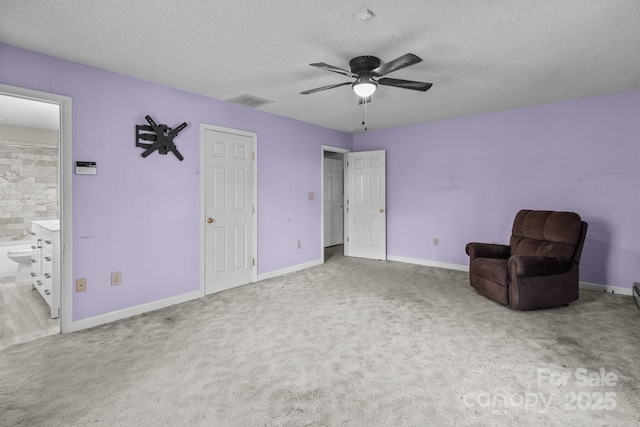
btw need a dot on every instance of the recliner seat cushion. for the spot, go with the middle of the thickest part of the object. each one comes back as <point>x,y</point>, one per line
<point>489,276</point>
<point>494,269</point>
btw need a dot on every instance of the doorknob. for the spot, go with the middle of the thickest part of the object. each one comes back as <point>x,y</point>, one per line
<point>381,210</point>
<point>342,206</point>
<point>210,220</point>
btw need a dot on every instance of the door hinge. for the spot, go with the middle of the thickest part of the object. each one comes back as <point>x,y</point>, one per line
<point>253,208</point>
<point>253,261</point>
<point>253,155</point>
<point>347,239</point>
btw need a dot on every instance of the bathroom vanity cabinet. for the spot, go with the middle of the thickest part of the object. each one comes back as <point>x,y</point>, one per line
<point>45,263</point>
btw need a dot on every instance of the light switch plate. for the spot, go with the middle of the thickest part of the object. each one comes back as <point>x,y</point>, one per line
<point>81,285</point>
<point>116,278</point>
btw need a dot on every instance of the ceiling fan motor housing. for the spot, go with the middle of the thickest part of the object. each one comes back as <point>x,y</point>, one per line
<point>364,64</point>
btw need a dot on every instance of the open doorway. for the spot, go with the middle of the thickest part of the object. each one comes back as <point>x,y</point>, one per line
<point>32,265</point>
<point>332,189</point>
<point>362,203</point>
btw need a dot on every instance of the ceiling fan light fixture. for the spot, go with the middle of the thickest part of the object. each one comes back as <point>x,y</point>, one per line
<point>364,87</point>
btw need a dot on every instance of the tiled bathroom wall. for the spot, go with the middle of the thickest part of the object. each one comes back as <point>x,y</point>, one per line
<point>28,186</point>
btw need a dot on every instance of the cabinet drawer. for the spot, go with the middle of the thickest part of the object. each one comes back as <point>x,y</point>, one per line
<point>38,283</point>
<point>46,294</point>
<point>45,265</point>
<point>44,288</point>
<point>47,275</point>
<point>35,276</point>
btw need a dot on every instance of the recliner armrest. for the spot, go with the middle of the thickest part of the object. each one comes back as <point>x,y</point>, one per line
<point>533,265</point>
<point>487,250</point>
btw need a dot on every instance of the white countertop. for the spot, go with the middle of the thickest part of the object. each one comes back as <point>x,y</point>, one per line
<point>49,224</point>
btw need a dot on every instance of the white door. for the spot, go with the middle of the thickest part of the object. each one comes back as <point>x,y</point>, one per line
<point>366,216</point>
<point>228,257</point>
<point>333,202</point>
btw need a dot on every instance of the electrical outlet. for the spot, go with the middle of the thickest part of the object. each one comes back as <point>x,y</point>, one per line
<point>299,244</point>
<point>116,278</point>
<point>81,285</point>
<point>436,241</point>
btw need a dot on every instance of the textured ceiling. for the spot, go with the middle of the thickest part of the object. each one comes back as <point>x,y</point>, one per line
<point>481,56</point>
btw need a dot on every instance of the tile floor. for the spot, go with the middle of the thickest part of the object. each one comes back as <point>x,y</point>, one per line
<point>24,314</point>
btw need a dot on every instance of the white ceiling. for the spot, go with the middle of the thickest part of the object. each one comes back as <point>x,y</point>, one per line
<point>481,56</point>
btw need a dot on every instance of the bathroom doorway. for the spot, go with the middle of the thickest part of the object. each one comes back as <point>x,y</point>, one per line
<point>31,264</point>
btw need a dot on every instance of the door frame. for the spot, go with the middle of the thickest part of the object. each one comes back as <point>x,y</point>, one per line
<point>203,215</point>
<point>65,175</point>
<point>323,149</point>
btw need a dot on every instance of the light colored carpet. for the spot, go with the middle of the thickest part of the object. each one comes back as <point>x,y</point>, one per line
<point>352,342</point>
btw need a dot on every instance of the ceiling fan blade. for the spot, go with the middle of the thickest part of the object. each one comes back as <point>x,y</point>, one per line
<point>332,68</point>
<point>396,64</point>
<point>318,89</point>
<point>405,84</point>
<point>362,100</point>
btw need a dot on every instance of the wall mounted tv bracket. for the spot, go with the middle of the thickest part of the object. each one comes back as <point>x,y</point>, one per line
<point>161,135</point>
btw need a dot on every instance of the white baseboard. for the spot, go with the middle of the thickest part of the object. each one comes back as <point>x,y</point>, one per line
<point>438,264</point>
<point>293,268</point>
<point>583,285</point>
<point>90,322</point>
<point>606,288</point>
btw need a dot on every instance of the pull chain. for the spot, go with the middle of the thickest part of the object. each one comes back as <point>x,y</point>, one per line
<point>364,116</point>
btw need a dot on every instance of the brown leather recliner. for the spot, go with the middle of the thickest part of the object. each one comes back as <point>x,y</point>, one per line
<point>539,269</point>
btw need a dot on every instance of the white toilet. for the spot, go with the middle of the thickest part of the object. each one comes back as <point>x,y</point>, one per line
<point>22,255</point>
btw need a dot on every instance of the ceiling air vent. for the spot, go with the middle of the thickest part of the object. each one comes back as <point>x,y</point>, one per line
<point>250,101</point>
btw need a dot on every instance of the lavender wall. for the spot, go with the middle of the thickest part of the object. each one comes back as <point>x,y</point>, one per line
<point>459,180</point>
<point>463,180</point>
<point>142,216</point>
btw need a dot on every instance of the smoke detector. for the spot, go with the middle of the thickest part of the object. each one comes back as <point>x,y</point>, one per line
<point>364,15</point>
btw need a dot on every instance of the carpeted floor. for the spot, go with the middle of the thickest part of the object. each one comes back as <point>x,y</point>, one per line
<point>352,342</point>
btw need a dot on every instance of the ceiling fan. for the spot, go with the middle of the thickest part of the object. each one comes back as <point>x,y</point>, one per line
<point>367,71</point>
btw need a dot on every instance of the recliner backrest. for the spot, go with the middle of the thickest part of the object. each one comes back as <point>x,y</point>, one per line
<point>547,233</point>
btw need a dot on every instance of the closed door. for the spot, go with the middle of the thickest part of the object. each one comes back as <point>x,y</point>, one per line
<point>228,209</point>
<point>366,215</point>
<point>333,202</point>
